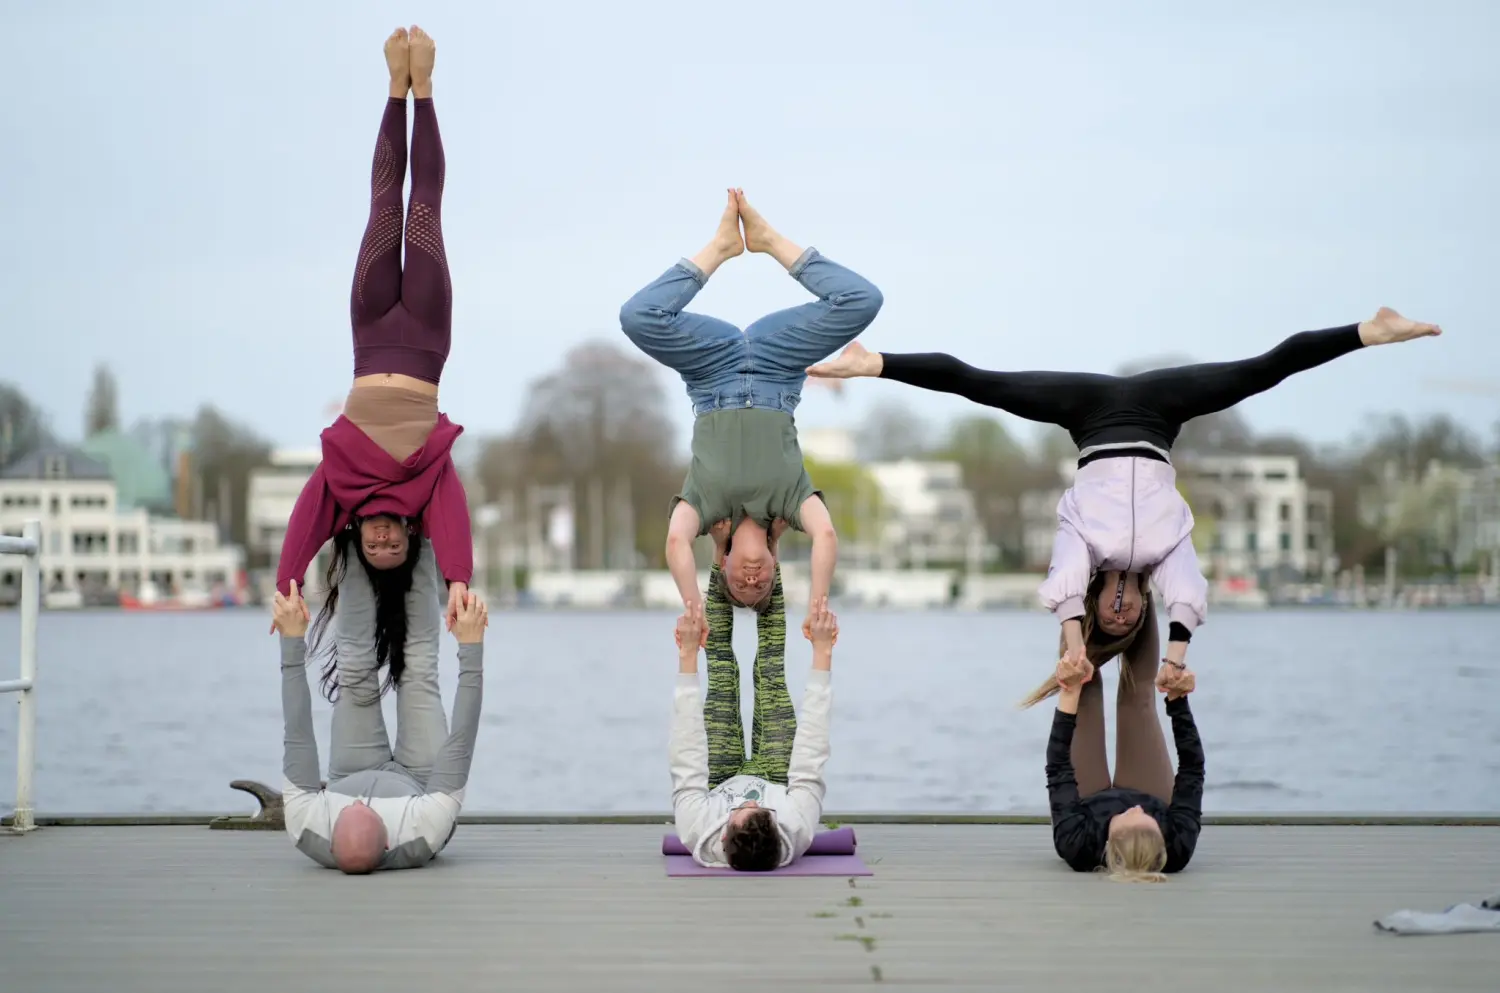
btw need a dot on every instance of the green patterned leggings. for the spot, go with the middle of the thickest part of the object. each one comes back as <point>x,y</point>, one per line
<point>774,726</point>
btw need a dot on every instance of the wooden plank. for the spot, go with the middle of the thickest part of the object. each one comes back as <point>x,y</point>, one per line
<point>546,907</point>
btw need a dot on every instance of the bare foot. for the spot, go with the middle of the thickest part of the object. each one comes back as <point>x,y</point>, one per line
<point>726,242</point>
<point>398,61</point>
<point>423,55</point>
<point>761,237</point>
<point>853,362</point>
<point>1388,327</point>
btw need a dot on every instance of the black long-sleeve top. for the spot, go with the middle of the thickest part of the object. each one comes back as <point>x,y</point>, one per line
<point>1080,825</point>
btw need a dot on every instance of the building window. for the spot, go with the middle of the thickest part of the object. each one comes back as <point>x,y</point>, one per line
<point>1276,474</point>
<point>128,543</point>
<point>55,506</point>
<point>1252,512</point>
<point>1286,511</point>
<point>90,543</point>
<point>1252,540</point>
<point>1312,542</point>
<point>1315,512</point>
<point>1286,541</point>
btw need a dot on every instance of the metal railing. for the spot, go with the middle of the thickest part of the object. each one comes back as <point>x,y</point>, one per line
<point>30,546</point>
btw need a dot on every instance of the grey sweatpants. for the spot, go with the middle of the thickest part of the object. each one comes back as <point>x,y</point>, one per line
<point>360,741</point>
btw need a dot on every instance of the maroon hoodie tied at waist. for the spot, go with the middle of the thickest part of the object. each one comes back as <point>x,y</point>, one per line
<point>357,476</point>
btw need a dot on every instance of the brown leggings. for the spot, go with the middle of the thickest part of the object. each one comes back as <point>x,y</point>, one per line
<point>1141,759</point>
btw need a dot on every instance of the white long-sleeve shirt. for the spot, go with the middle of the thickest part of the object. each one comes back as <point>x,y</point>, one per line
<point>701,813</point>
<point>419,818</point>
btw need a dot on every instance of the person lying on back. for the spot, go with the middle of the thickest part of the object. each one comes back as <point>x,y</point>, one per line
<point>758,814</point>
<point>374,813</point>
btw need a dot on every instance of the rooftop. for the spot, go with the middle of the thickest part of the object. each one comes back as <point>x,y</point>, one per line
<point>140,478</point>
<point>56,462</point>
<point>588,907</point>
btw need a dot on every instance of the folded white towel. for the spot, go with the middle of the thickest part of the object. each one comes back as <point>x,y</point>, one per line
<point>1458,919</point>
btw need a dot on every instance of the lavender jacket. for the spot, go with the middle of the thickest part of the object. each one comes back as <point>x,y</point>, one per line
<point>1126,514</point>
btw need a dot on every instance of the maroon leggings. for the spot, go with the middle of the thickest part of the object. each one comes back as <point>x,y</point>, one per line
<point>403,318</point>
<point>1141,759</point>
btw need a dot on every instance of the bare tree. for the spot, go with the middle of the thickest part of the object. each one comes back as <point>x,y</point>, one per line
<point>222,457</point>
<point>892,430</point>
<point>995,470</point>
<point>23,427</point>
<point>103,410</point>
<point>598,425</point>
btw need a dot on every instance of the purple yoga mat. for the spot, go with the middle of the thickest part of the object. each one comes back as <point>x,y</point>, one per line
<point>831,854</point>
<point>807,865</point>
<point>837,842</point>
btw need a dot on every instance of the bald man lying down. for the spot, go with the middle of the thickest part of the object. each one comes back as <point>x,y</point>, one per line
<point>380,809</point>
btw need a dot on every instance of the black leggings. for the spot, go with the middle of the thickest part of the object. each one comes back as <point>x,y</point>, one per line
<point>1148,407</point>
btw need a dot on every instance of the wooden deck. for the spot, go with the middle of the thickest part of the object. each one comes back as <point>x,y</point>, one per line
<point>588,908</point>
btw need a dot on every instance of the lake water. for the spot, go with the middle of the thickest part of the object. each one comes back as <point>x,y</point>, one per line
<point>1299,710</point>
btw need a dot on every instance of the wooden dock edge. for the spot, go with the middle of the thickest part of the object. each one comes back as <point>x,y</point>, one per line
<point>221,821</point>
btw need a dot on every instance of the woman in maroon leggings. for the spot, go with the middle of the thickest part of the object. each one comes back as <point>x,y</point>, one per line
<point>387,479</point>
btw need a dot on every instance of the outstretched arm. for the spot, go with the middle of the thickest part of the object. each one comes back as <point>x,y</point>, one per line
<point>313,521</point>
<point>1071,837</point>
<point>449,525</point>
<point>299,761</point>
<point>433,814</point>
<point>806,787</point>
<point>688,752</point>
<point>450,528</point>
<point>1184,592</point>
<point>1067,582</point>
<point>1185,813</point>
<point>810,745</point>
<point>450,770</point>
<point>818,525</point>
<point>681,530</point>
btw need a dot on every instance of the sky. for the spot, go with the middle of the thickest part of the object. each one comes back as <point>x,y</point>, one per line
<point>1074,187</point>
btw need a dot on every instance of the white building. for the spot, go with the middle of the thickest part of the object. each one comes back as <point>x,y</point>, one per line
<point>929,517</point>
<point>1479,520</point>
<point>836,445</point>
<point>90,545</point>
<point>1259,516</point>
<point>1253,514</point>
<point>1039,524</point>
<point>272,493</point>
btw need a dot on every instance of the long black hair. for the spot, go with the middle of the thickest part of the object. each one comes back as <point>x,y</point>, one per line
<point>391,587</point>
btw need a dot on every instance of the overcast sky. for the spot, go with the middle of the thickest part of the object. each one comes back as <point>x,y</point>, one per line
<point>1072,187</point>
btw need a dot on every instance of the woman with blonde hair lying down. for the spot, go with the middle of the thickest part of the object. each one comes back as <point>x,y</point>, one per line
<point>1143,822</point>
